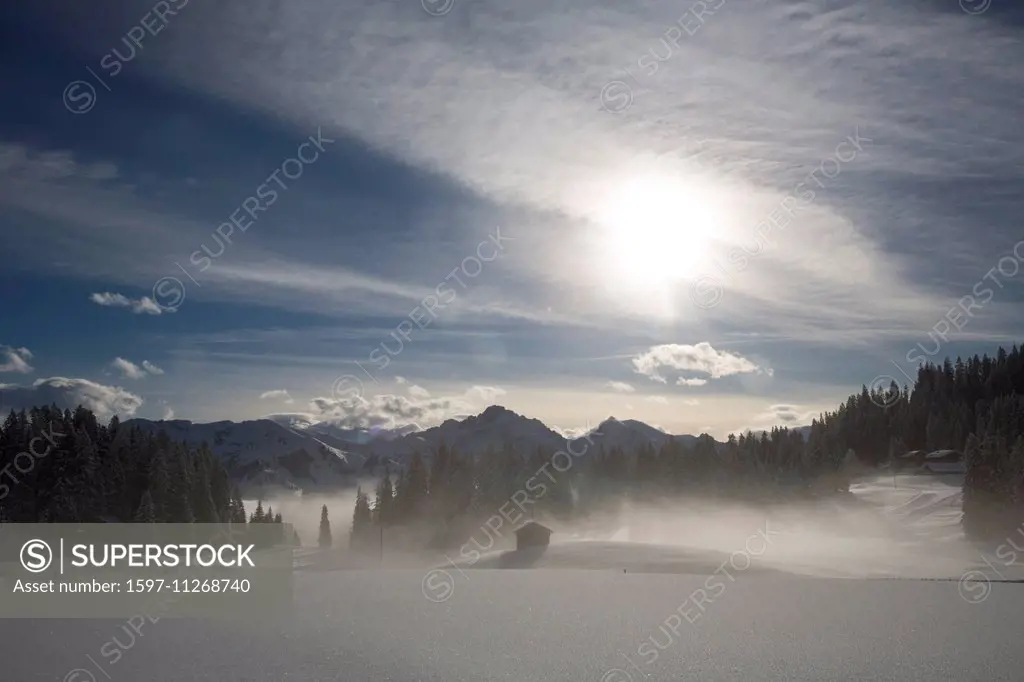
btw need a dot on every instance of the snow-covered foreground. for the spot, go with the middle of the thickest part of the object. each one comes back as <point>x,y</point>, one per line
<point>578,626</point>
<point>706,593</point>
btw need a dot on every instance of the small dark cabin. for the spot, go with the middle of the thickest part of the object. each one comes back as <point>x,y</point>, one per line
<point>532,534</point>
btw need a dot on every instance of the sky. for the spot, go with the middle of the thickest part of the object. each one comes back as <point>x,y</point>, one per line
<point>708,216</point>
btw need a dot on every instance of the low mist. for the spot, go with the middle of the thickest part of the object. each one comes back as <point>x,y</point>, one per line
<point>303,512</point>
<point>880,529</point>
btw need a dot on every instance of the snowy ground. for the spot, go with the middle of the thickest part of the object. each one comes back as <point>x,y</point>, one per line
<point>586,626</point>
<point>689,606</point>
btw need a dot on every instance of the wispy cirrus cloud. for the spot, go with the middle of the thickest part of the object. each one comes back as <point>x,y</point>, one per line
<point>621,387</point>
<point>811,75</point>
<point>277,394</point>
<point>21,161</point>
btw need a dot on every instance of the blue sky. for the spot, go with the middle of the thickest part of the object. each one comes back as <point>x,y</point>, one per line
<point>708,216</point>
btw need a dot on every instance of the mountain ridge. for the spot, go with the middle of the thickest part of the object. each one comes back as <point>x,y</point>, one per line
<point>299,454</point>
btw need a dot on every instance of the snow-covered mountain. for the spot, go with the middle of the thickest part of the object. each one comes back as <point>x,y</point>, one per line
<point>494,428</point>
<point>292,451</point>
<point>266,453</point>
<point>498,427</point>
<point>630,434</point>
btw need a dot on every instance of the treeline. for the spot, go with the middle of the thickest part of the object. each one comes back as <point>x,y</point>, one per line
<point>948,403</point>
<point>66,467</point>
<point>974,405</point>
<point>450,492</point>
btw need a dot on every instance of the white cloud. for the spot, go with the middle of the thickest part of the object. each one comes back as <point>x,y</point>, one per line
<point>395,412</point>
<point>691,402</point>
<point>138,305</point>
<point>571,433</point>
<point>783,414</point>
<point>620,387</point>
<point>701,357</point>
<point>277,394</point>
<point>384,411</point>
<point>418,392</point>
<point>104,401</point>
<point>487,394</point>
<point>129,370</point>
<point>791,414</point>
<point>17,360</point>
<point>151,368</point>
<point>168,413</point>
<point>682,381</point>
<point>660,399</point>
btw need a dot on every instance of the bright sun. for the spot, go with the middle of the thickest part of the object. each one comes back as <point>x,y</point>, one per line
<point>656,230</point>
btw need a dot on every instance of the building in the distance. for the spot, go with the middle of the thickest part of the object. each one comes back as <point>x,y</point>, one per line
<point>532,534</point>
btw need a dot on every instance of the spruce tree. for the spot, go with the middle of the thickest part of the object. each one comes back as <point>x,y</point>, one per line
<point>362,521</point>
<point>158,484</point>
<point>411,491</point>
<point>382,506</point>
<point>324,539</point>
<point>258,516</point>
<point>179,497</point>
<point>279,538</point>
<point>146,512</point>
<point>204,508</point>
<point>237,507</point>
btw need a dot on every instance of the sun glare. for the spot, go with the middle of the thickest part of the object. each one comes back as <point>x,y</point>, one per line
<point>657,231</point>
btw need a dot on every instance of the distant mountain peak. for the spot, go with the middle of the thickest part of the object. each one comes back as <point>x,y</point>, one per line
<point>496,411</point>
